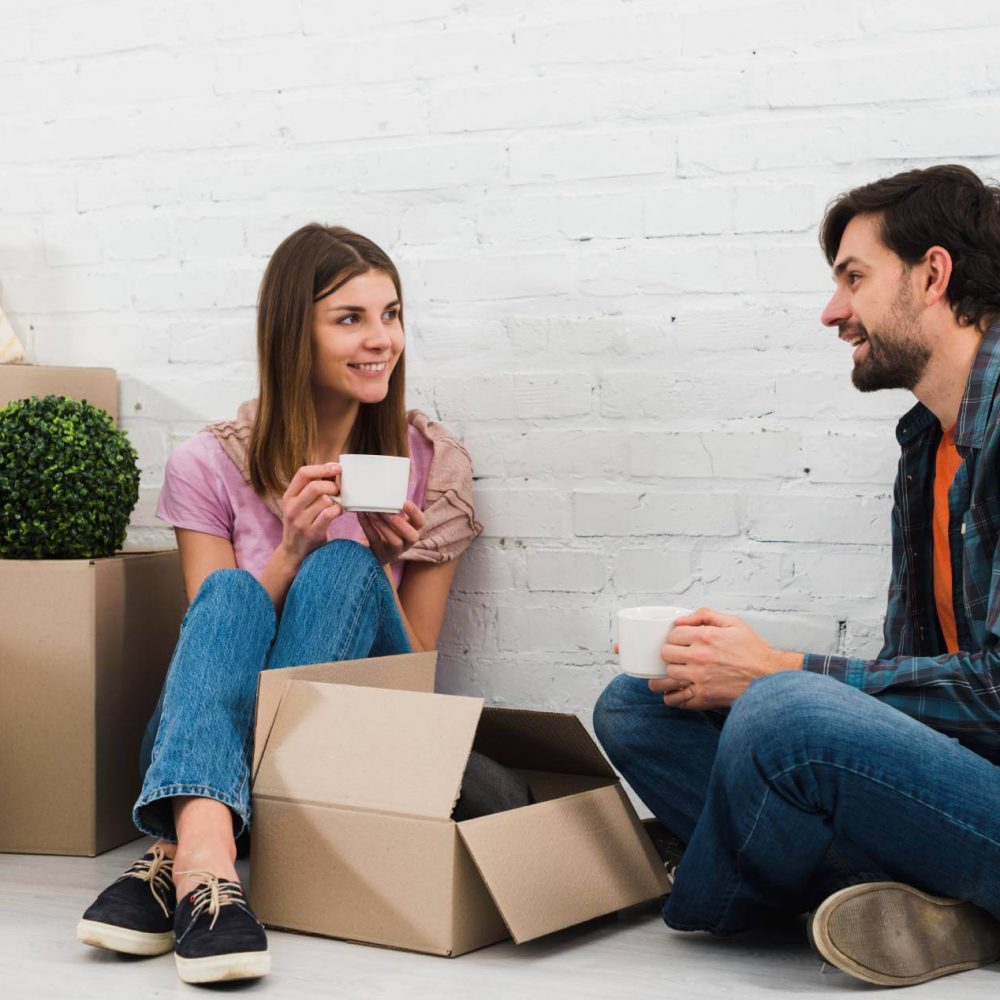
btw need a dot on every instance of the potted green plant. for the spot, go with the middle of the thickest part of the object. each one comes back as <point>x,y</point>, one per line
<point>69,480</point>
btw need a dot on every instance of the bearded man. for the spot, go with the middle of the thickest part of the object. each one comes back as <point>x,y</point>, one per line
<point>864,791</point>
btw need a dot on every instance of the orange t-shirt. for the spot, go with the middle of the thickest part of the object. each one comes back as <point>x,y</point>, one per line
<point>946,465</point>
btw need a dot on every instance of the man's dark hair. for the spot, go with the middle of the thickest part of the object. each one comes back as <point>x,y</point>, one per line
<point>947,206</point>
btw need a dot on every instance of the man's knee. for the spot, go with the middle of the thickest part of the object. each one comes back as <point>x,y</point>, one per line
<point>791,709</point>
<point>617,712</point>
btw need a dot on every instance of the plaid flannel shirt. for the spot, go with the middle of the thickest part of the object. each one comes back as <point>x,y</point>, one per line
<point>957,694</point>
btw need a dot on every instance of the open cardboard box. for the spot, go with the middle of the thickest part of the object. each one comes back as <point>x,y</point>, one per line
<point>357,767</point>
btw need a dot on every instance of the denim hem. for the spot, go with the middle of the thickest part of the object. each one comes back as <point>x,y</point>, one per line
<point>720,931</point>
<point>241,813</point>
<point>717,931</point>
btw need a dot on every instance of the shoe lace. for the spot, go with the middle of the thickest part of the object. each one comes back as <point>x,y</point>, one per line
<point>671,870</point>
<point>212,894</point>
<point>158,872</point>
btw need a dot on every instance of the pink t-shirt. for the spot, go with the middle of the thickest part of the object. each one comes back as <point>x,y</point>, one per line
<point>203,490</point>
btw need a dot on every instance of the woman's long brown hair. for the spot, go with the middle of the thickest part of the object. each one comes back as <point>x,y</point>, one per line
<point>313,260</point>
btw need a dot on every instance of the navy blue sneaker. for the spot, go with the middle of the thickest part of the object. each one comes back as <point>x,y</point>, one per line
<point>217,936</point>
<point>135,914</point>
<point>668,847</point>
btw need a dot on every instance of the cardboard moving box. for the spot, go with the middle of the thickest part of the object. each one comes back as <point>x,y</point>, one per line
<point>98,386</point>
<point>353,792</point>
<point>84,648</point>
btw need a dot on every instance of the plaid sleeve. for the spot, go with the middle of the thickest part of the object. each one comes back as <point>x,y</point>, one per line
<point>956,694</point>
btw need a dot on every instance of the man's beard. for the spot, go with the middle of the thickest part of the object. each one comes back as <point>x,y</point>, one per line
<point>897,356</point>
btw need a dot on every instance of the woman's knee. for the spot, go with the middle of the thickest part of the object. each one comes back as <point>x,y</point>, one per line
<point>232,588</point>
<point>230,583</point>
<point>340,559</point>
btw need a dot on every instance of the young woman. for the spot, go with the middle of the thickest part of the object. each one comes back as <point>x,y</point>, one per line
<point>278,574</point>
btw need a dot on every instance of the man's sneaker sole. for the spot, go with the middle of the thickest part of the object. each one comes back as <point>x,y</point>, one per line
<point>221,968</point>
<point>122,939</point>
<point>891,934</point>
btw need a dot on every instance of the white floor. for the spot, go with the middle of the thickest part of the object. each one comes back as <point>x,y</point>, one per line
<point>629,955</point>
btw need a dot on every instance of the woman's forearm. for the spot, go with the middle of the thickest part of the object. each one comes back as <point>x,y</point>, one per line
<point>278,574</point>
<point>415,644</point>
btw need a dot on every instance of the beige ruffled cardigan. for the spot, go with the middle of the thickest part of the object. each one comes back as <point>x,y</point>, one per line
<point>451,520</point>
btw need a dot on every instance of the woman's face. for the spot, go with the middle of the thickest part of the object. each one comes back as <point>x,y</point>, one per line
<point>357,338</point>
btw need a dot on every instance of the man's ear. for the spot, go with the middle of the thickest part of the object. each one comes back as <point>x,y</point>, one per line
<point>937,274</point>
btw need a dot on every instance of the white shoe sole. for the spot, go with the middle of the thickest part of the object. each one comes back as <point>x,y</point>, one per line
<point>220,968</point>
<point>891,934</point>
<point>122,939</point>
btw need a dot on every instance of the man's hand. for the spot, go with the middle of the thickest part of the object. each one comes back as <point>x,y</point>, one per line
<point>712,658</point>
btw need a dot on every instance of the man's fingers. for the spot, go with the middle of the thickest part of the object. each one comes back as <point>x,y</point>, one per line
<point>666,685</point>
<point>675,655</point>
<point>685,697</point>
<point>686,635</point>
<point>707,616</point>
<point>690,698</point>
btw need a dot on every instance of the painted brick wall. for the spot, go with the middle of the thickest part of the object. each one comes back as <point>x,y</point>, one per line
<point>604,212</point>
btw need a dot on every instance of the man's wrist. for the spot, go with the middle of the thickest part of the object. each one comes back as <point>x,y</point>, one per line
<point>783,660</point>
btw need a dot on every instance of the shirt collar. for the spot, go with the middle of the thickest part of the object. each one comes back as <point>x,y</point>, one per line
<point>973,414</point>
<point>974,411</point>
<point>914,423</point>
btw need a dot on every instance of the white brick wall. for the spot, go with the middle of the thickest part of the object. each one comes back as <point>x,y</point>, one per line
<point>604,212</point>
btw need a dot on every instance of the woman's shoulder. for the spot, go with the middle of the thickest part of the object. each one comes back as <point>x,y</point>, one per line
<point>196,488</point>
<point>451,523</point>
<point>434,439</point>
<point>200,450</point>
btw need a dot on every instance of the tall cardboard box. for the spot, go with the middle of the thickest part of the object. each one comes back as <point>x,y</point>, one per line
<point>353,792</point>
<point>84,648</point>
<point>98,386</point>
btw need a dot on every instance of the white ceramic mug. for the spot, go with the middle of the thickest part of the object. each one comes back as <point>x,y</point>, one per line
<point>374,483</point>
<point>641,634</point>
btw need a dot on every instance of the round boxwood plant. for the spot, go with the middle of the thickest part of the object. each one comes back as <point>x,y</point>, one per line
<point>68,480</point>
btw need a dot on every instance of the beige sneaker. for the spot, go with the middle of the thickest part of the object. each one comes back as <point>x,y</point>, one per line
<point>894,935</point>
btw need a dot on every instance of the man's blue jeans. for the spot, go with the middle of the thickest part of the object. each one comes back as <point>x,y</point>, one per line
<point>340,606</point>
<point>805,785</point>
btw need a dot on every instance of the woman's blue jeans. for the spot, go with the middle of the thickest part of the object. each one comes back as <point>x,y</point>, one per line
<point>340,606</point>
<point>804,786</point>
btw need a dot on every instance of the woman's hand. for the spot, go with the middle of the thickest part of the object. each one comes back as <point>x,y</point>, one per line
<point>311,506</point>
<point>390,535</point>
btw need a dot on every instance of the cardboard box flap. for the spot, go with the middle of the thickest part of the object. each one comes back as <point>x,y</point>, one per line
<point>404,672</point>
<point>558,863</point>
<point>540,741</point>
<point>362,748</point>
